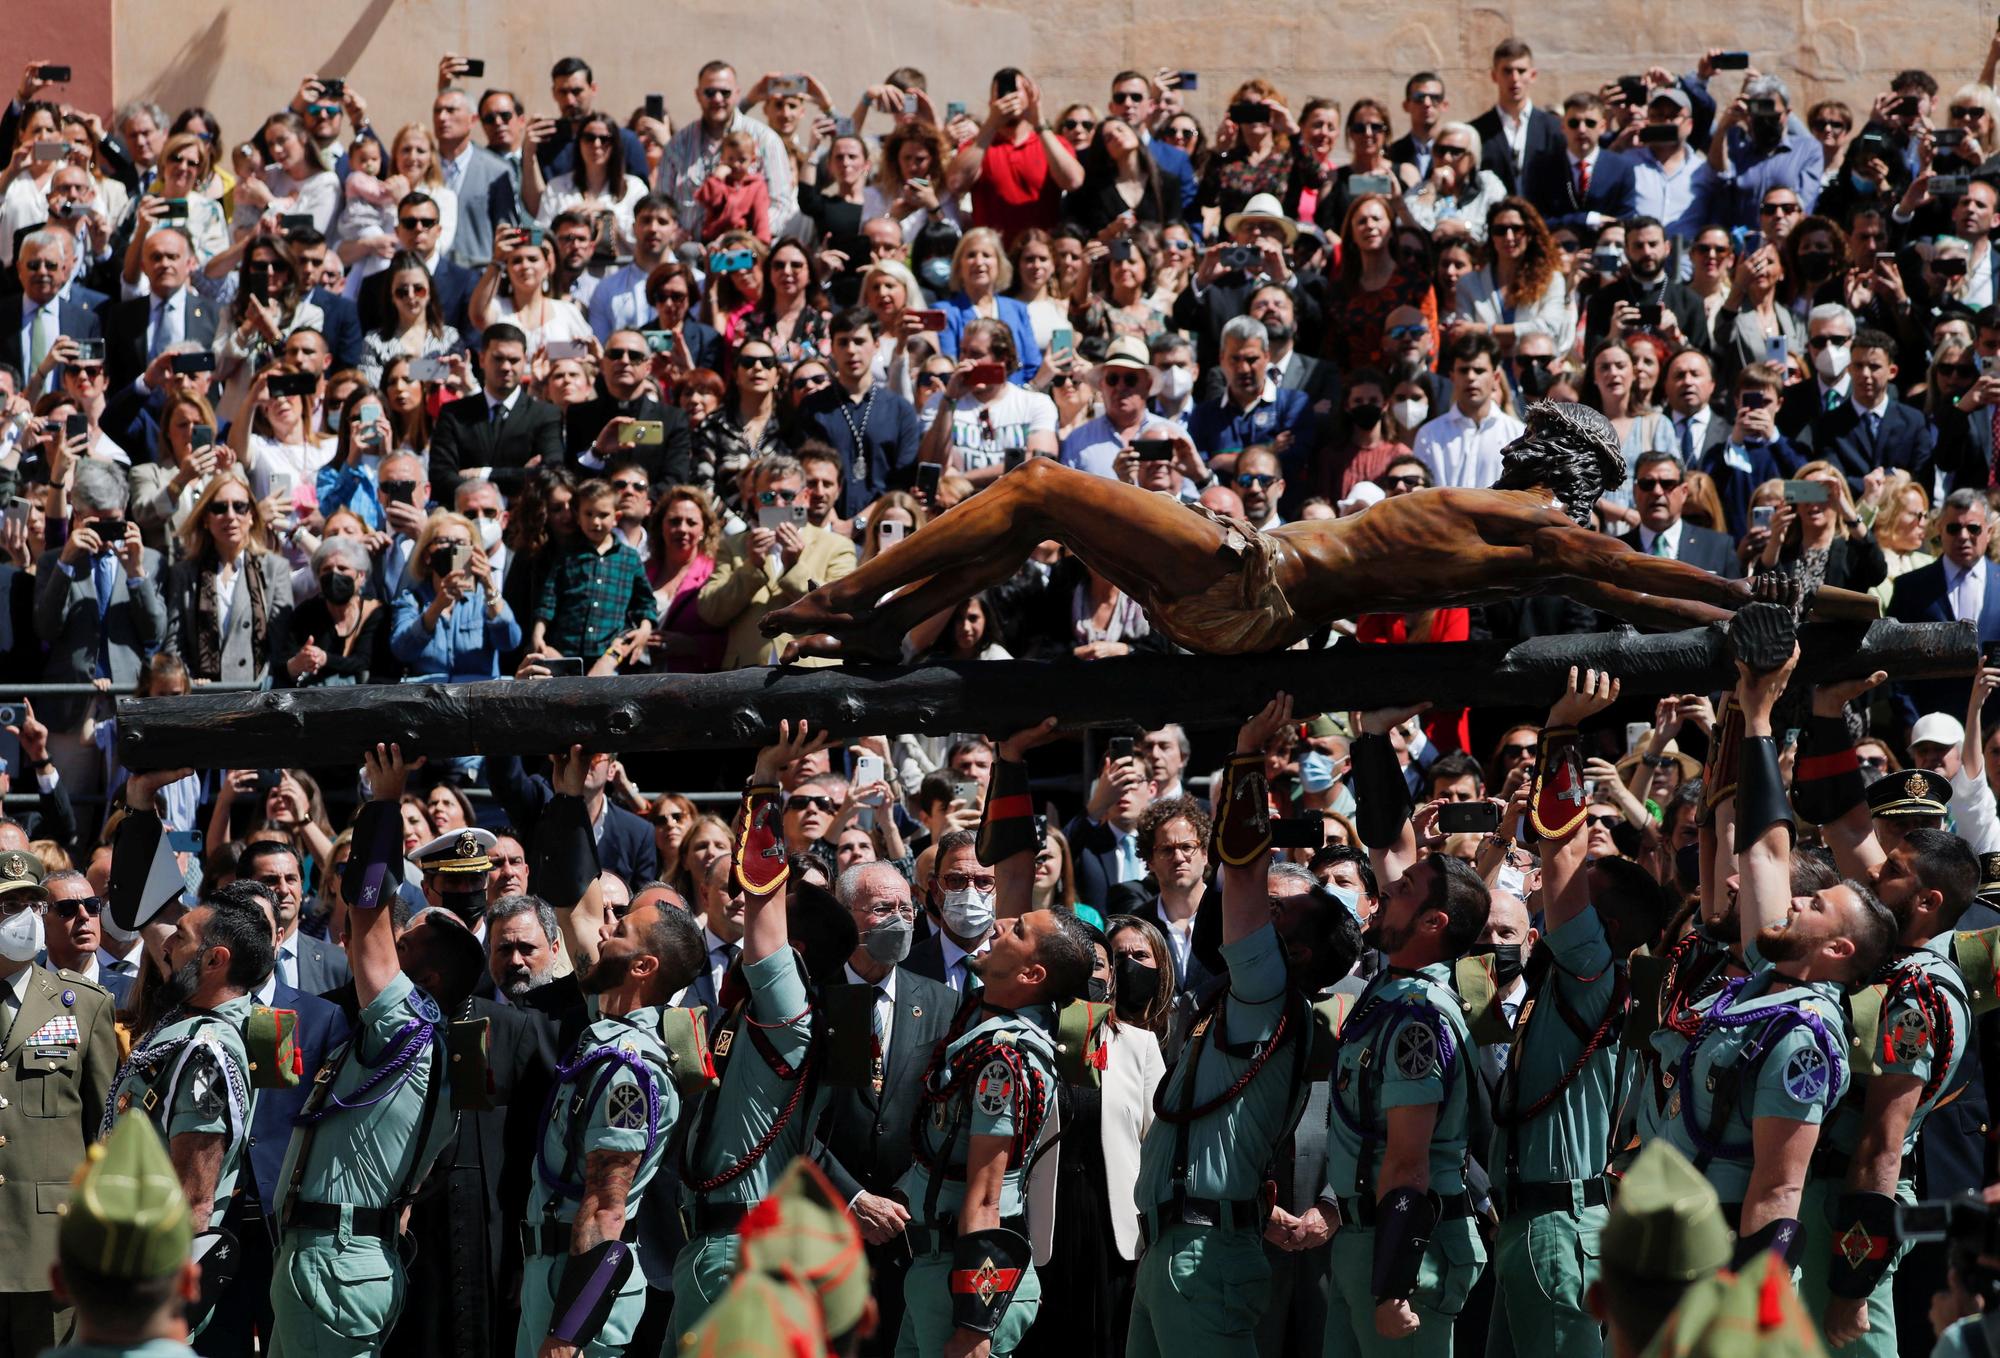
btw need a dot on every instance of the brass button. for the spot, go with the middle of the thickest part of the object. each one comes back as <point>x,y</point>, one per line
<point>3,1140</point>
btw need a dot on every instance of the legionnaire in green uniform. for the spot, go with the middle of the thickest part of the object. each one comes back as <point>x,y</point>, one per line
<point>190,1074</point>
<point>1406,1253</point>
<point>604,1131</point>
<point>379,1111</point>
<point>971,1291</point>
<point>123,1250</point>
<point>804,1234</point>
<point>58,1050</point>
<point>1239,1087</point>
<point>1747,1092</point>
<point>1663,1234</point>
<point>1552,1113</point>
<point>747,1129</point>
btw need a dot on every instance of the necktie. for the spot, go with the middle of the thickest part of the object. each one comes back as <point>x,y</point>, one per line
<point>1833,399</point>
<point>1687,440</point>
<point>1874,426</point>
<point>1993,457</point>
<point>1659,544</point>
<point>1273,373</point>
<point>1582,179</point>
<point>453,171</point>
<point>104,577</point>
<point>42,337</point>
<point>164,327</point>
<point>881,1035</point>
<point>495,412</point>
<point>288,966</point>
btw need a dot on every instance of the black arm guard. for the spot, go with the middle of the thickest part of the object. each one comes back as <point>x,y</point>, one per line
<point>145,878</point>
<point>1782,1237</point>
<point>1008,825</point>
<point>375,864</point>
<point>1404,1219</point>
<point>1760,793</point>
<point>1381,797</point>
<point>565,857</point>
<point>589,1287</point>
<point>1864,1244</point>
<point>986,1270</point>
<point>1826,781</point>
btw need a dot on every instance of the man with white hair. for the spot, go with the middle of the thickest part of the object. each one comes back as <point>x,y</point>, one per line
<point>1253,408</point>
<point>1830,345</point>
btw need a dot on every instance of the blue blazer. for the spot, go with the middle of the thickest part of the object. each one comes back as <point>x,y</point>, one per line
<point>322,1027</point>
<point>1174,165</point>
<point>467,645</point>
<point>1904,440</point>
<point>1551,187</point>
<point>958,310</point>
<point>1920,596</point>
<point>73,319</point>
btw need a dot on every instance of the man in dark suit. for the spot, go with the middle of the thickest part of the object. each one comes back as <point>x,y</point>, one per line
<point>1104,839</point>
<point>864,1135</point>
<point>303,962</point>
<point>1426,103</point>
<point>31,323</point>
<point>1513,133</point>
<point>1173,839</point>
<point>1647,281</point>
<point>1871,429</point>
<point>419,226</point>
<point>136,331</point>
<point>959,930</point>
<point>1659,492</point>
<point>1317,378</point>
<point>1829,325</point>
<point>624,842</point>
<point>341,319</point>
<point>1582,186</point>
<point>1960,586</point>
<point>627,362</point>
<point>502,429</point>
<point>1134,101</point>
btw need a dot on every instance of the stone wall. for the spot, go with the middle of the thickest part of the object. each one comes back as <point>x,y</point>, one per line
<point>242,58</point>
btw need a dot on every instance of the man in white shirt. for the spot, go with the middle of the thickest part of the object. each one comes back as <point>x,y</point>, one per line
<point>692,153</point>
<point>620,300</point>
<point>1095,445</point>
<point>1462,446</point>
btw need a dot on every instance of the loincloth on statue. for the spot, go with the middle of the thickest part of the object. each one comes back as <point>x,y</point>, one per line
<point>1243,612</point>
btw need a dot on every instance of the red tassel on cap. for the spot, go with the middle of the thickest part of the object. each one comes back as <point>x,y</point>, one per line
<point>1770,1301</point>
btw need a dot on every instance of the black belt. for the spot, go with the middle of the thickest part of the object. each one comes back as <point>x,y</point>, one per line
<point>552,1239</point>
<point>1221,1214</point>
<point>1361,1211</point>
<point>709,1218</point>
<point>939,1237</point>
<point>384,1223</point>
<point>1570,1195</point>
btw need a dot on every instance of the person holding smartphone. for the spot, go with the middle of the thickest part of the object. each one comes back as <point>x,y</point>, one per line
<point>981,419</point>
<point>165,489</point>
<point>450,624</point>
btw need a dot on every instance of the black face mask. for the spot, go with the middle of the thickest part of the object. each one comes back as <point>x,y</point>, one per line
<point>1138,984</point>
<point>337,589</point>
<point>1687,867</point>
<point>1535,378</point>
<point>1506,960</point>
<point>1364,416</point>
<point>469,906</point>
<point>1099,990</point>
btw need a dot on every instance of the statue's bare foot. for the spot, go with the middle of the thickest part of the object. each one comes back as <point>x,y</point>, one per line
<point>810,614</point>
<point>1762,634</point>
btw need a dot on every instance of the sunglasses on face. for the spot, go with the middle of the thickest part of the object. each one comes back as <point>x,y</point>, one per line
<point>759,361</point>
<point>1603,822</point>
<point>1403,332</point>
<point>1181,134</point>
<point>1507,229</point>
<point>1967,113</point>
<point>1873,761</point>
<point>596,138</point>
<point>627,355</point>
<point>937,379</point>
<point>1713,251</point>
<point>1822,341</point>
<point>1517,751</point>
<point>1828,125</point>
<point>1128,97</point>
<point>1453,151</point>
<point>810,383</point>
<point>1779,209</point>
<point>673,298</point>
<point>1414,482</point>
<point>1114,379</point>
<point>498,115</point>
<point>218,508</point>
<point>1965,370</point>
<point>188,164</point>
<point>959,881</point>
<point>1962,530</point>
<point>1427,97</point>
<point>800,802</point>
<point>1368,129</point>
<point>1065,380</point>
<point>416,223</point>
<point>92,906</point>
<point>1652,483</point>
<point>630,485</point>
<point>1078,125</point>
<point>1582,124</point>
<point>783,497</point>
<point>1261,480</point>
<point>412,290</point>
<point>718,93</point>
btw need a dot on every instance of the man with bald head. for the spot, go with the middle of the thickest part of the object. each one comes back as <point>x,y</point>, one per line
<point>47,311</point>
<point>167,313</point>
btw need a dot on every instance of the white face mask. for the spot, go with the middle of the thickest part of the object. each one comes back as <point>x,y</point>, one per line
<point>489,534</point>
<point>1175,384</point>
<point>967,913</point>
<point>1410,414</point>
<point>1832,361</point>
<point>21,936</point>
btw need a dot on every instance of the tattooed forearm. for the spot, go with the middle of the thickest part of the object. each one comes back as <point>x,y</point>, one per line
<point>607,1180</point>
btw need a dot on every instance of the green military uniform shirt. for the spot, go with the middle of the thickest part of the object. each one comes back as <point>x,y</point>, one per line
<point>1906,1045</point>
<point>608,1109</point>
<point>989,1104</point>
<point>1398,1060</point>
<point>752,1096</point>
<point>1227,1151</point>
<point>192,1074</point>
<point>1571,1137</point>
<point>1801,1074</point>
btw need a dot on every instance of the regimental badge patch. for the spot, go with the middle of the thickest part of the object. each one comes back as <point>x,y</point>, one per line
<point>1806,1075</point>
<point>1416,1052</point>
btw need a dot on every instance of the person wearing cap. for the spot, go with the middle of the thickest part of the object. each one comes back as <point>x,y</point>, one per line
<point>1663,1234</point>
<point>610,1110</point>
<point>56,1062</point>
<point>980,429</point>
<point>379,1112</point>
<point>1225,278</point>
<point>1751,1079</point>
<point>802,1234</point>
<point>455,867</point>
<point>759,1117</point>
<point>759,1316</point>
<point>1252,408</point>
<point>122,1250</point>
<point>190,1073</point>
<point>1912,799</point>
<point>1958,752</point>
<point>1671,180</point>
<point>1126,378</point>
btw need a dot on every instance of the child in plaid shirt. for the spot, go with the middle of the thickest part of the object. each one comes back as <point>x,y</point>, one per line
<point>597,590</point>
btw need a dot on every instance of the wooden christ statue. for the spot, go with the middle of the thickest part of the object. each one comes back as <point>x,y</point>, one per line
<point>1218,586</point>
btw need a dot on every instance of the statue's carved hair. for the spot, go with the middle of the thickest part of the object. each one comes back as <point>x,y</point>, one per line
<point>1569,450</point>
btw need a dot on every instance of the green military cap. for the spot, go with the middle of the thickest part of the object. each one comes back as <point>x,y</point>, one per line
<point>23,872</point>
<point>758,1317</point>
<point>801,1231</point>
<point>128,1216</point>
<point>1666,1224</point>
<point>1322,726</point>
<point>1752,1314</point>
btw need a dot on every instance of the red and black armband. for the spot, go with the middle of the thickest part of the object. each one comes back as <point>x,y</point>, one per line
<point>1404,1220</point>
<point>1007,826</point>
<point>1826,780</point>
<point>565,852</point>
<point>1864,1246</point>
<point>986,1271</point>
<point>761,864</point>
<point>1242,826</point>
<point>589,1286</point>
<point>1783,1237</point>
<point>1760,793</point>
<point>1381,795</point>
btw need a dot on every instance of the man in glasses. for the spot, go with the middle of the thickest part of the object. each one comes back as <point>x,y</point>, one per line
<point>487,191</point>
<point>810,809</point>
<point>61,1055</point>
<point>771,563</point>
<point>1756,147</point>
<point>1426,103</point>
<point>692,152</point>
<point>1132,100</point>
<point>419,228</point>
<point>1585,186</point>
<point>1960,586</point>
<point>31,324</point>
<point>72,934</point>
<point>1124,380</point>
<point>1659,493</point>
<point>1830,331</point>
<point>592,428</point>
